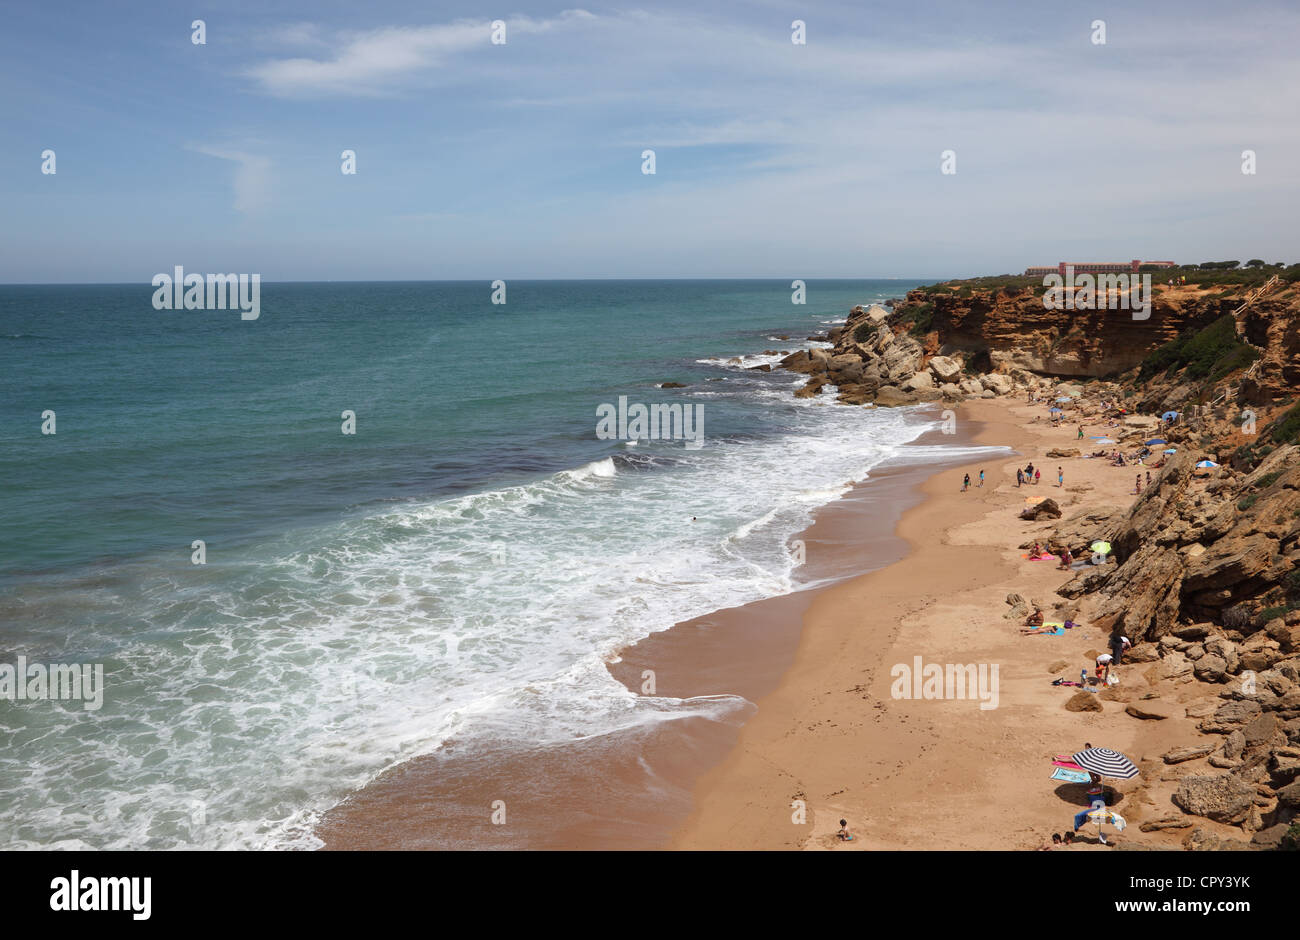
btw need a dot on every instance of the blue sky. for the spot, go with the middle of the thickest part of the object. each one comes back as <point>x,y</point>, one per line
<point>523,160</point>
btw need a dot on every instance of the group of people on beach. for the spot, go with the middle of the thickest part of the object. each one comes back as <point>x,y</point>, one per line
<point>1028,475</point>
<point>965,482</point>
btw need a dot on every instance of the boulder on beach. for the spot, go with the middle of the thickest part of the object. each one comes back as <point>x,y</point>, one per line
<point>1180,754</point>
<point>1154,710</point>
<point>892,395</point>
<point>1082,701</point>
<point>997,383</point>
<point>945,368</point>
<point>1046,509</point>
<point>919,381</point>
<point>1223,798</point>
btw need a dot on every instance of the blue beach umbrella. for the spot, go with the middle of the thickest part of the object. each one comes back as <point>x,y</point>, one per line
<point>1156,440</point>
<point>1206,465</point>
<point>1171,450</point>
<point>1055,411</point>
<point>1169,415</point>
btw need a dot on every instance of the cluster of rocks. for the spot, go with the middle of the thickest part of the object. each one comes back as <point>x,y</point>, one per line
<point>875,360</point>
<point>1253,722</point>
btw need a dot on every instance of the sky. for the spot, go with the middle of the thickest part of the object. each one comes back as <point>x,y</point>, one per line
<point>524,159</point>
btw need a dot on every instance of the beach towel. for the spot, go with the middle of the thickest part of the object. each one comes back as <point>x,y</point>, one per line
<point>1064,761</point>
<point>1037,557</point>
<point>1070,776</point>
<point>1059,631</point>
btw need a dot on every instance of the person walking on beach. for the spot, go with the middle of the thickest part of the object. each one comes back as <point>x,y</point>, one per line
<point>1060,477</point>
<point>1020,477</point>
<point>981,478</point>
<point>965,483</point>
<point>1148,478</point>
<point>1038,475</point>
<point>1080,437</point>
<point>1137,485</point>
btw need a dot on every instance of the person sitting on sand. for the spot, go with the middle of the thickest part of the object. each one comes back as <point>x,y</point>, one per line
<point>844,835</point>
<point>1036,551</point>
<point>1035,619</point>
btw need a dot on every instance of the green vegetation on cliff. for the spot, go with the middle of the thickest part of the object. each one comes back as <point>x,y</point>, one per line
<point>1211,353</point>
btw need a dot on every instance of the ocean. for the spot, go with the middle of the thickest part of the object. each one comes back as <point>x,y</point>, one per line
<point>461,566</point>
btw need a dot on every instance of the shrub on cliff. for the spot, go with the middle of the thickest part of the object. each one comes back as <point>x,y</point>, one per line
<point>1286,429</point>
<point>1210,353</point>
<point>921,317</point>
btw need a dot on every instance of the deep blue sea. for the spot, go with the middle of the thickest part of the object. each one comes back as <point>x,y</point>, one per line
<point>463,564</point>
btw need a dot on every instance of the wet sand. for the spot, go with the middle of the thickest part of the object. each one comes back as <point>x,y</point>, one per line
<point>634,790</point>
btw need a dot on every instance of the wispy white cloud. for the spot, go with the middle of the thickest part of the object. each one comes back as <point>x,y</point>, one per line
<point>376,61</point>
<point>252,179</point>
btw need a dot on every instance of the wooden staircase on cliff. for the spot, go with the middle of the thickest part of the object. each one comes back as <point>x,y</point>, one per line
<point>1251,297</point>
<point>1256,294</point>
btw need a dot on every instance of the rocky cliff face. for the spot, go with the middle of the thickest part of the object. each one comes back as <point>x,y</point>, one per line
<point>1012,327</point>
<point>1187,552</point>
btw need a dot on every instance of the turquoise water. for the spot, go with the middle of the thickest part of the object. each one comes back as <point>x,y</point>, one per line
<point>461,565</point>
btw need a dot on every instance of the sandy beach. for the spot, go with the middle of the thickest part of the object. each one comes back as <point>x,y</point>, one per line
<point>934,773</point>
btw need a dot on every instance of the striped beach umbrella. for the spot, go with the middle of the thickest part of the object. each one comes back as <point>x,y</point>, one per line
<point>1206,465</point>
<point>1104,761</point>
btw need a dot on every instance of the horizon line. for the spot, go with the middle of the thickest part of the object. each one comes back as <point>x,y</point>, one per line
<point>474,280</point>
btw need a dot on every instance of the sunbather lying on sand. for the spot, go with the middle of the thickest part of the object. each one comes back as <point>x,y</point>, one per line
<point>1050,629</point>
